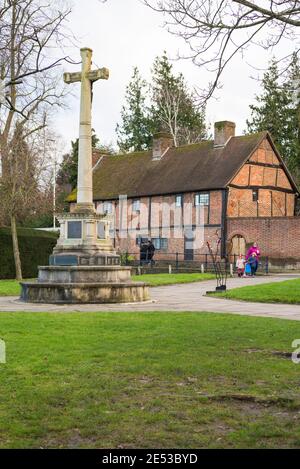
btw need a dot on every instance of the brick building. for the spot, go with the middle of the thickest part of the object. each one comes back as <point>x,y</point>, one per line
<point>235,188</point>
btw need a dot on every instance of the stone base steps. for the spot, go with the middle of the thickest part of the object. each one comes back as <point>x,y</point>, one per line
<point>80,293</point>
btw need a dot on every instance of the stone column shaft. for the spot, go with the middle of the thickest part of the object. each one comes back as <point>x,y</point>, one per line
<point>85,181</point>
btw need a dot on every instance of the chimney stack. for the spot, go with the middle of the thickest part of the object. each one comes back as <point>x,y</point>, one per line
<point>162,142</point>
<point>224,130</point>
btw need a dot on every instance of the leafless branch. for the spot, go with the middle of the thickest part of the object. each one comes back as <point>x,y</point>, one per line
<point>33,37</point>
<point>216,30</point>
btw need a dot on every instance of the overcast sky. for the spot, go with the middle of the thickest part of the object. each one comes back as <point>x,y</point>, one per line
<point>124,34</point>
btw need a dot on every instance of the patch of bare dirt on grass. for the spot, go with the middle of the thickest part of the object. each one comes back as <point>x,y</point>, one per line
<point>276,353</point>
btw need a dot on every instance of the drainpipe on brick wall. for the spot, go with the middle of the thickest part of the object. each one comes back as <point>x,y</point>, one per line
<point>224,223</point>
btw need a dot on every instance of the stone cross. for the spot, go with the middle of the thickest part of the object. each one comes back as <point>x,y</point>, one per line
<point>85,176</point>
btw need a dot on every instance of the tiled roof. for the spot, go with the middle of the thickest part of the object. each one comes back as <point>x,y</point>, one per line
<point>195,167</point>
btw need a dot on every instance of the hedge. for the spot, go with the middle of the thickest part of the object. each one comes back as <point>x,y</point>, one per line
<point>35,247</point>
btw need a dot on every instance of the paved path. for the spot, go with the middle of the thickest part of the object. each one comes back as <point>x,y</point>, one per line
<point>183,297</point>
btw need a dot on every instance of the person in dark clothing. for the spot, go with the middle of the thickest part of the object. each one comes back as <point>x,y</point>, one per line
<point>253,263</point>
<point>143,253</point>
<point>151,251</point>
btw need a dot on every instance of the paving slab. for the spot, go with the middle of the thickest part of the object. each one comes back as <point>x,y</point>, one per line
<point>180,297</point>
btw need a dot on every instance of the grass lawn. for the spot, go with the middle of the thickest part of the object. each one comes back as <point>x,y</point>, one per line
<point>169,279</point>
<point>147,380</point>
<point>12,287</point>
<point>9,288</point>
<point>277,292</point>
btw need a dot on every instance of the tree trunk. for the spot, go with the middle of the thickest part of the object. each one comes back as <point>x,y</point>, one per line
<point>16,251</point>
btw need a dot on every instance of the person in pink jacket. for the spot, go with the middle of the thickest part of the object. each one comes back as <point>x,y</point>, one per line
<point>254,249</point>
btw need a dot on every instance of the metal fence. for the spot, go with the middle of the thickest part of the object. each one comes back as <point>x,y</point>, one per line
<point>179,262</point>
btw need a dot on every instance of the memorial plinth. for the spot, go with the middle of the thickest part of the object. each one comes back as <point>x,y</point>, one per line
<point>84,276</point>
<point>84,267</point>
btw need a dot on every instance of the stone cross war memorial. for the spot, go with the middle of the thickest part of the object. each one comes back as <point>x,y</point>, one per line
<point>84,267</point>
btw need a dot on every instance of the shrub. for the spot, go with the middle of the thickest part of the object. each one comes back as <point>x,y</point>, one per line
<point>35,247</point>
<point>125,258</point>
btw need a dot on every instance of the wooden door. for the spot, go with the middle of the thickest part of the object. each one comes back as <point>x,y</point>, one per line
<point>238,245</point>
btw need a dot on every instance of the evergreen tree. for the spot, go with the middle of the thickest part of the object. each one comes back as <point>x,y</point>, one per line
<point>293,87</point>
<point>174,108</point>
<point>68,170</point>
<point>276,111</point>
<point>134,133</point>
<point>171,107</point>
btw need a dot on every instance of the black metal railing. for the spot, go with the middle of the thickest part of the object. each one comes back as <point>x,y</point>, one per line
<point>179,261</point>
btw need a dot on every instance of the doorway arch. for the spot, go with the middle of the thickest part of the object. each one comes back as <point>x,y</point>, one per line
<point>238,245</point>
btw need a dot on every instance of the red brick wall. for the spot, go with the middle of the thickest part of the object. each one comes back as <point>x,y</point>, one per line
<point>165,222</point>
<point>278,237</point>
<point>175,245</point>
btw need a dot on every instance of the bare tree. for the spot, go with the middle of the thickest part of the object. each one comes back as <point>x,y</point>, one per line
<point>216,30</point>
<point>178,114</point>
<point>174,107</point>
<point>168,112</point>
<point>32,36</point>
<point>18,187</point>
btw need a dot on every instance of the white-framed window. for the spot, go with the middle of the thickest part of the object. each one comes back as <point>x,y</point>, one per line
<point>160,243</point>
<point>136,205</point>
<point>178,200</point>
<point>107,206</point>
<point>202,199</point>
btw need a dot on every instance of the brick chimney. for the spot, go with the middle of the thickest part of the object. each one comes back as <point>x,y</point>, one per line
<point>162,142</point>
<point>224,130</point>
